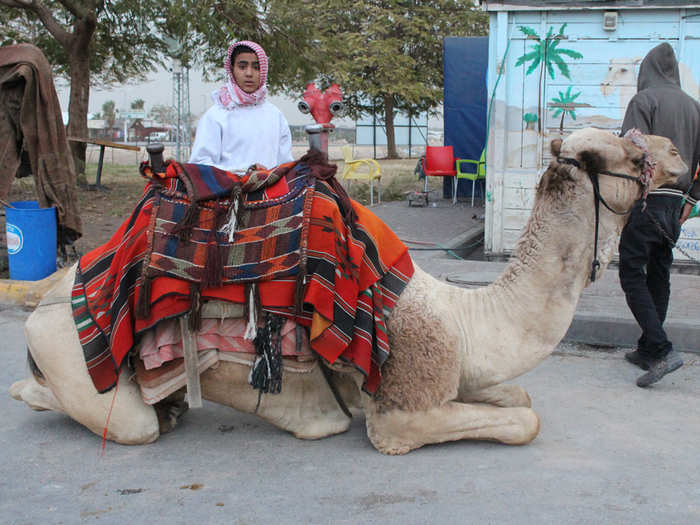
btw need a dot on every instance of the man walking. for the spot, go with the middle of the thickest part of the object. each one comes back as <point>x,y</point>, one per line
<point>660,107</point>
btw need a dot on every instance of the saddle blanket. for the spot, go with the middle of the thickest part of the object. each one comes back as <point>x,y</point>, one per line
<point>157,384</point>
<point>352,275</point>
<point>164,342</point>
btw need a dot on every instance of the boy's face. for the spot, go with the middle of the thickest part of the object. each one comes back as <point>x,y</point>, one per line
<point>246,72</point>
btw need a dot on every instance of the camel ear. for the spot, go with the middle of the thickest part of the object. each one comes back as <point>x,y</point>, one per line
<point>555,147</point>
<point>591,161</point>
<point>633,153</point>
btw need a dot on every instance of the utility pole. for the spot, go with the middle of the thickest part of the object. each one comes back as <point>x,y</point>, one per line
<point>181,103</point>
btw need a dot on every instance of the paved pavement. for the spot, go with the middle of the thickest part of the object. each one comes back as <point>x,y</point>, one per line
<point>607,452</point>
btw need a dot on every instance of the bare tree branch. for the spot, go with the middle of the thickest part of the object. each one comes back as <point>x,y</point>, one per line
<point>21,4</point>
<point>46,16</point>
<point>75,8</point>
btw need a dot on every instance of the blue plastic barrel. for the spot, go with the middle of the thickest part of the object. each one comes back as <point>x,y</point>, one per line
<point>31,240</point>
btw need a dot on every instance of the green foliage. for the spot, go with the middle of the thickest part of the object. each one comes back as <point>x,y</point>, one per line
<point>123,47</point>
<point>139,103</point>
<point>393,48</point>
<point>109,112</point>
<point>200,32</point>
<point>163,114</point>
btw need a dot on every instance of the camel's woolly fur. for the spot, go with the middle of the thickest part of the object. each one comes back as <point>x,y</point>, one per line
<point>423,369</point>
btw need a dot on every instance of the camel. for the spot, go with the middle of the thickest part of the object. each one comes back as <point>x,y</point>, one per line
<point>451,348</point>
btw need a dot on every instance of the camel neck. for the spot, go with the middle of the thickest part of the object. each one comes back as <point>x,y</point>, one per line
<point>530,307</point>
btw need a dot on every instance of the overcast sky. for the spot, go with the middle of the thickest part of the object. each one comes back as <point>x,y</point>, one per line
<point>159,90</point>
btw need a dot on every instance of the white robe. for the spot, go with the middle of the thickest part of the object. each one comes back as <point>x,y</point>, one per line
<point>236,139</point>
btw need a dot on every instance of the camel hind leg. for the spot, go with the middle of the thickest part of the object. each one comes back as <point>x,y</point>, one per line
<point>400,431</point>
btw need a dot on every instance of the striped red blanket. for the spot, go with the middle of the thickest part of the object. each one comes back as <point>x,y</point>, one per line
<point>353,275</point>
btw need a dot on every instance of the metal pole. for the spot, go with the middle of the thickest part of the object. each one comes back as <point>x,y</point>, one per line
<point>374,129</point>
<point>410,118</point>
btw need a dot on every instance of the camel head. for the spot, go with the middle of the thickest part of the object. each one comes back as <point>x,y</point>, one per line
<point>593,165</point>
<point>599,152</point>
<point>668,162</point>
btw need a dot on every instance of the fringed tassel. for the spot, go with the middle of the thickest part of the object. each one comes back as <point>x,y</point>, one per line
<point>143,307</point>
<point>184,227</point>
<point>214,268</point>
<point>195,308</point>
<point>299,289</point>
<point>266,372</point>
<point>252,312</point>
<point>233,214</point>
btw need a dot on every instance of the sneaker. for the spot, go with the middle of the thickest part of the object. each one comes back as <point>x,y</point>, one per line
<point>638,359</point>
<point>658,368</point>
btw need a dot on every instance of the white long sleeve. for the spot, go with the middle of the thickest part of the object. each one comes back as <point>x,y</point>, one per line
<point>236,139</point>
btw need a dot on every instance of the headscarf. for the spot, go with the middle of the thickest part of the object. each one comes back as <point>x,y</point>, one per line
<point>231,95</point>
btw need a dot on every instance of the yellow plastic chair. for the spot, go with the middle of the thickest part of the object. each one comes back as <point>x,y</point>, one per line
<point>479,171</point>
<point>362,169</point>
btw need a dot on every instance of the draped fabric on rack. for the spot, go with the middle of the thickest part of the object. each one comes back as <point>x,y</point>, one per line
<point>339,279</point>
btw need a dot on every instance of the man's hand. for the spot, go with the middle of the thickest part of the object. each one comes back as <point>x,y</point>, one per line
<point>687,208</point>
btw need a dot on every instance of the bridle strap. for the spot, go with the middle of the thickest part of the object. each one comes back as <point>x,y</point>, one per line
<point>598,198</point>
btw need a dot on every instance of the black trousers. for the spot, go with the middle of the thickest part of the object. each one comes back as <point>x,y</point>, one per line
<point>645,263</point>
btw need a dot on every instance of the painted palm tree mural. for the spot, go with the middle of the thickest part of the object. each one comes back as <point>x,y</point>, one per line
<point>546,55</point>
<point>565,105</point>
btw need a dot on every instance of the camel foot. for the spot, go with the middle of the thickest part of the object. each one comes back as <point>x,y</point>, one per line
<point>36,396</point>
<point>170,410</point>
<point>398,432</point>
<point>502,395</point>
<point>322,427</point>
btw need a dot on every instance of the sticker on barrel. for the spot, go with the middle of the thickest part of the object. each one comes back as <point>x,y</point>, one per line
<point>15,240</point>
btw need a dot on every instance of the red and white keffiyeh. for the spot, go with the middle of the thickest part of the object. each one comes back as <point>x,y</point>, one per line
<point>231,95</point>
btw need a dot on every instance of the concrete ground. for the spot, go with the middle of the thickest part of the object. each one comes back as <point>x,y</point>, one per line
<point>607,452</point>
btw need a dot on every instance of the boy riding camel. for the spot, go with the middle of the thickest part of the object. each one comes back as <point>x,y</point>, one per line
<point>242,128</point>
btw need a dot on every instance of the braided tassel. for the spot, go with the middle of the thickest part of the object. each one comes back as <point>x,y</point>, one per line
<point>251,328</point>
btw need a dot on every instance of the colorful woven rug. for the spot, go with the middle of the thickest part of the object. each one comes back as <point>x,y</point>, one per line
<point>353,275</point>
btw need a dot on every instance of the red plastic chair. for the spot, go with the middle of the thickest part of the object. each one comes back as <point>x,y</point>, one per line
<point>439,161</point>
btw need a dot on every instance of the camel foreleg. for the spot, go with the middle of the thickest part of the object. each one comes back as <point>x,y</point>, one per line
<point>501,395</point>
<point>399,431</point>
<point>37,396</point>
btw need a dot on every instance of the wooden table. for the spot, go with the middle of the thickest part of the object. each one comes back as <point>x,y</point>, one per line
<point>103,144</point>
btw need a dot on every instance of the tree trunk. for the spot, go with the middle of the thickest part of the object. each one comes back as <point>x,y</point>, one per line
<point>79,70</point>
<point>391,151</point>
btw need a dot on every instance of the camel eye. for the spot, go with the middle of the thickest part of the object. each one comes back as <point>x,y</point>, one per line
<point>624,70</point>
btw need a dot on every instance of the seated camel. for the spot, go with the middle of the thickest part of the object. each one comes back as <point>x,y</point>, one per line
<point>451,348</point>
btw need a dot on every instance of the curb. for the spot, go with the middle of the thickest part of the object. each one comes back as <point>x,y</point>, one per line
<point>28,293</point>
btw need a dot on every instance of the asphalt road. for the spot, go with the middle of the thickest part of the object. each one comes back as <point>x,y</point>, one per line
<point>608,452</point>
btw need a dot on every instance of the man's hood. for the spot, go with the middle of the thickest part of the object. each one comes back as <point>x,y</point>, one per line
<point>659,68</point>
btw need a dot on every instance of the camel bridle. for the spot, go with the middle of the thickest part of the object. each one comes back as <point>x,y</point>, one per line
<point>598,198</point>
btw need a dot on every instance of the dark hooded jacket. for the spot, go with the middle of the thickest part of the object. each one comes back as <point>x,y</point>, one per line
<point>660,107</point>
